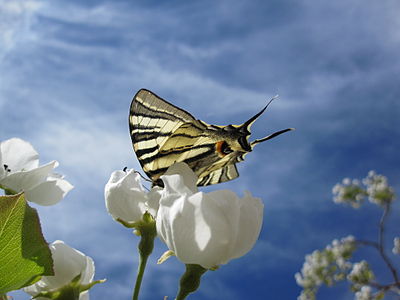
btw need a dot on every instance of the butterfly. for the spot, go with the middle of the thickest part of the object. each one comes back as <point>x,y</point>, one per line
<point>163,134</point>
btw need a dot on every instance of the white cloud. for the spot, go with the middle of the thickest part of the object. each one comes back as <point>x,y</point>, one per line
<point>16,17</point>
<point>91,147</point>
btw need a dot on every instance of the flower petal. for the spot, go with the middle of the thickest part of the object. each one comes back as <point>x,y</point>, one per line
<point>153,200</point>
<point>18,155</point>
<point>175,184</point>
<point>88,272</point>
<point>125,196</point>
<point>49,192</point>
<point>189,177</point>
<point>250,223</point>
<point>68,263</point>
<point>25,180</point>
<point>220,210</point>
<point>193,229</point>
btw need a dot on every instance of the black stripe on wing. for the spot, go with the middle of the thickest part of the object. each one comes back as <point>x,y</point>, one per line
<point>223,174</point>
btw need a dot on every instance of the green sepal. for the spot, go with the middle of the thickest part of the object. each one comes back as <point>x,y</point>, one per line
<point>146,228</point>
<point>70,291</point>
<point>190,280</point>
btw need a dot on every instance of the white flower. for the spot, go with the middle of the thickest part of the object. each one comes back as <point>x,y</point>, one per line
<point>207,229</point>
<point>126,199</point>
<point>365,293</point>
<point>378,189</point>
<point>396,248</point>
<point>20,171</point>
<point>361,274</point>
<point>349,192</point>
<point>325,266</point>
<point>68,263</point>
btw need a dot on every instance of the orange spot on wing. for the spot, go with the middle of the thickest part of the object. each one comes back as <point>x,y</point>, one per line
<point>218,148</point>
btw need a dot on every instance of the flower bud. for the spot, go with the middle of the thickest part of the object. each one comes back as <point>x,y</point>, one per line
<point>126,199</point>
<point>73,273</point>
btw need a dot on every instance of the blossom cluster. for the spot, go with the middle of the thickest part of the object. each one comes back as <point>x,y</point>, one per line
<point>325,267</point>
<point>360,275</point>
<point>365,293</point>
<point>354,192</point>
<point>206,229</point>
<point>378,190</point>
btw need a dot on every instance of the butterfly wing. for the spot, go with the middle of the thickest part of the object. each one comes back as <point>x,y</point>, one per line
<point>223,174</point>
<point>152,122</point>
<point>163,134</point>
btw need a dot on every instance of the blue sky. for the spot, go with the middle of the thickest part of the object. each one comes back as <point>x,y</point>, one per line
<point>68,72</point>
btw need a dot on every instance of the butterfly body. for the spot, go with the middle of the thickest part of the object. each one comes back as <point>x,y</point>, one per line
<point>163,134</point>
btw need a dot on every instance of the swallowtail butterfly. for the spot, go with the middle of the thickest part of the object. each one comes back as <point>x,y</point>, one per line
<point>163,134</point>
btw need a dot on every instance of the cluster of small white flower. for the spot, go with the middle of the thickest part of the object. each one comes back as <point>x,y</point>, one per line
<point>379,192</point>
<point>349,192</point>
<point>325,267</point>
<point>365,293</point>
<point>353,193</point>
<point>360,275</point>
<point>207,229</point>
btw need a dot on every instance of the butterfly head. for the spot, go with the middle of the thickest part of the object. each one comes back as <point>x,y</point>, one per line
<point>237,141</point>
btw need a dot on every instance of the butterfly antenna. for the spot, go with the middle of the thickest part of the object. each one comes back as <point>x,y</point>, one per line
<point>144,178</point>
<point>249,122</point>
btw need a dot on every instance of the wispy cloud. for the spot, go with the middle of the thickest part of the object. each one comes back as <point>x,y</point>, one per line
<point>16,18</point>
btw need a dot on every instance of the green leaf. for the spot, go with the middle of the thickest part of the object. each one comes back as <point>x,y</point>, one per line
<point>24,253</point>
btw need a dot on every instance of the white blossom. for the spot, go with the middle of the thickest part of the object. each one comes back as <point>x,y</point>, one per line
<point>325,266</point>
<point>68,263</point>
<point>207,229</point>
<point>360,275</point>
<point>396,248</point>
<point>349,192</point>
<point>365,293</point>
<point>20,171</point>
<point>379,192</point>
<point>126,198</point>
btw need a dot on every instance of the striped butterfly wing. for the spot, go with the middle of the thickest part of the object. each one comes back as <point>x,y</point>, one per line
<point>163,134</point>
<point>226,173</point>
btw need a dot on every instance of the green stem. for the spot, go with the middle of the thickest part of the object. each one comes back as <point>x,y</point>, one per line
<point>148,233</point>
<point>139,277</point>
<point>190,281</point>
<point>3,297</point>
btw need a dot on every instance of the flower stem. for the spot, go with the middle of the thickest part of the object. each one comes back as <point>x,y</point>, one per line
<point>139,277</point>
<point>381,242</point>
<point>190,280</point>
<point>148,232</point>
